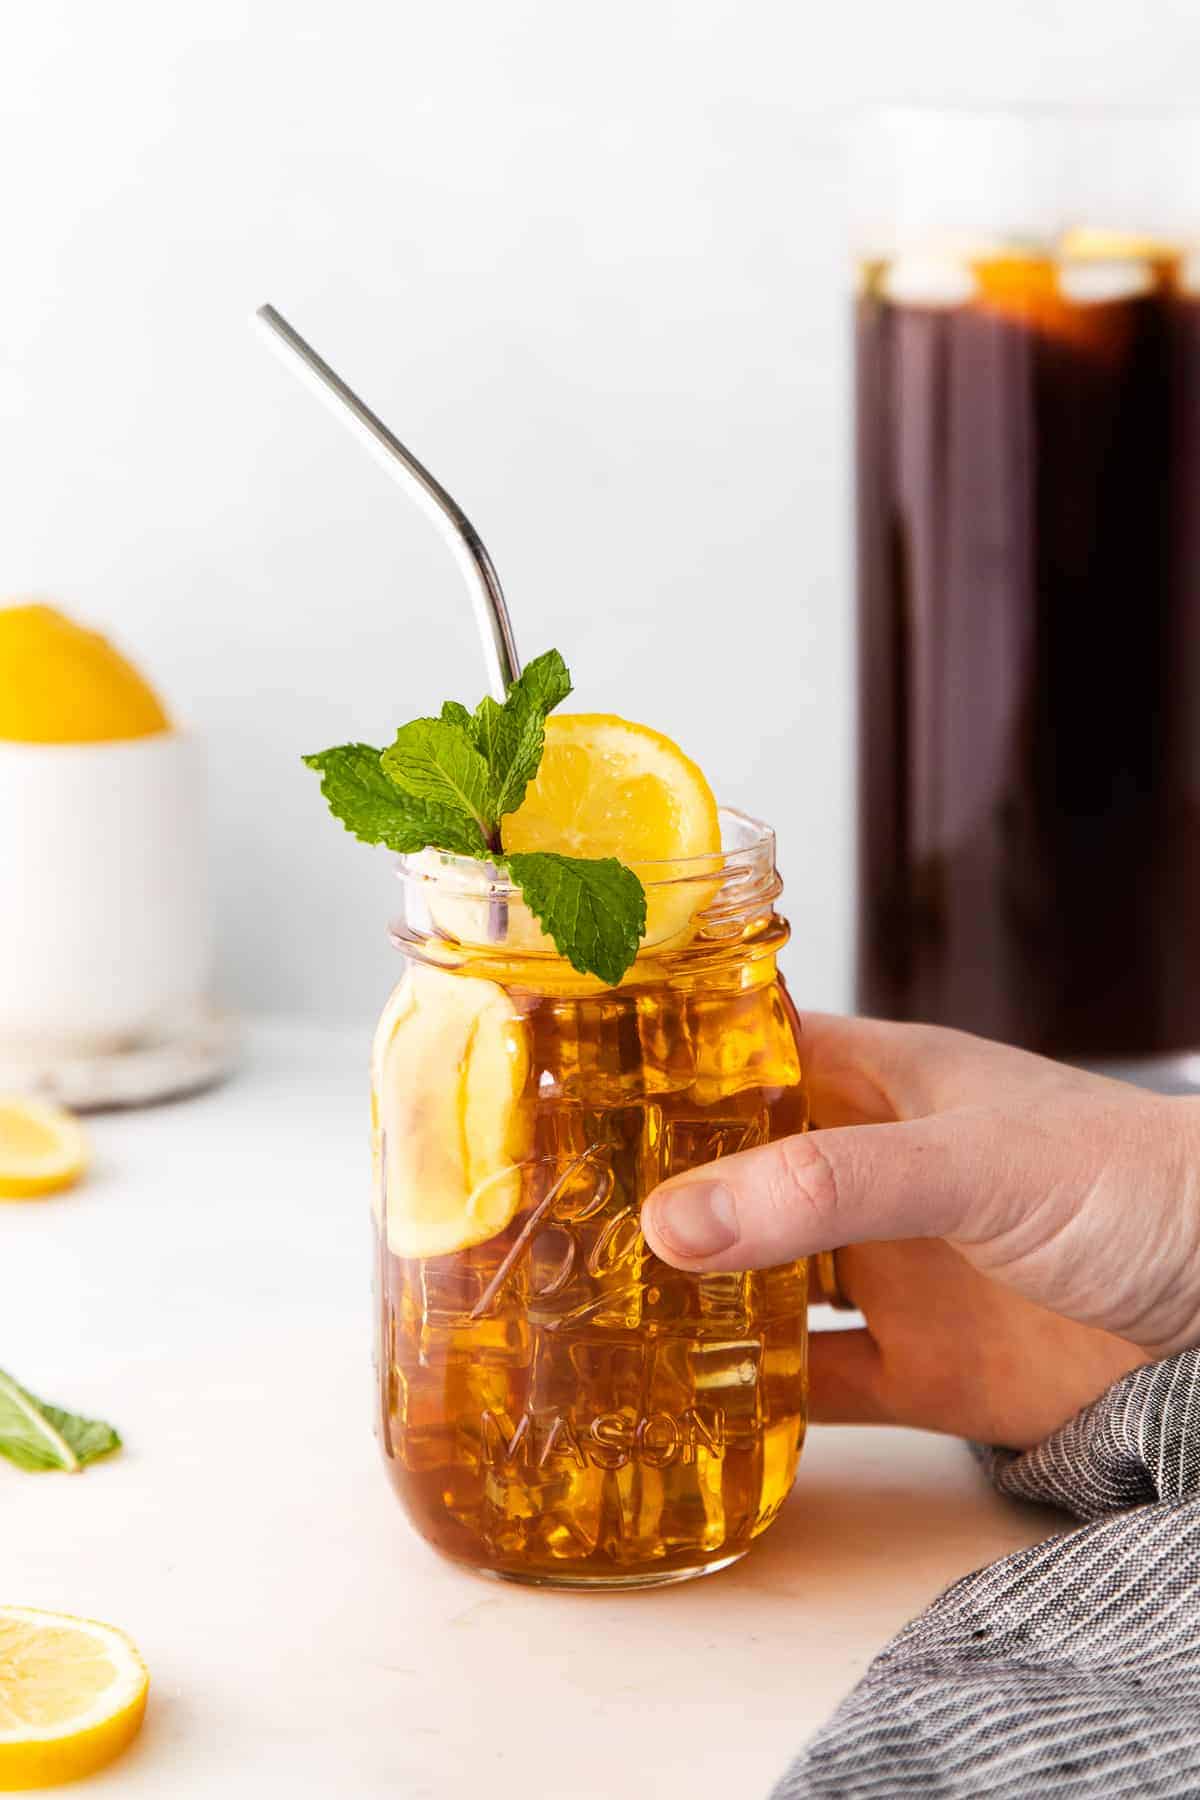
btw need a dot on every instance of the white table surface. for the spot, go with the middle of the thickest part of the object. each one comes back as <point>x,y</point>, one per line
<point>208,1291</point>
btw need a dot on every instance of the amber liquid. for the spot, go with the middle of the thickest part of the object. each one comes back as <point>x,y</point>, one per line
<point>558,1404</point>
<point>1029,586</point>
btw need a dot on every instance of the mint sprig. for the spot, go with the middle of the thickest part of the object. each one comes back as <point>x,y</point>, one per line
<point>448,783</point>
<point>511,737</point>
<point>435,763</point>
<point>370,805</point>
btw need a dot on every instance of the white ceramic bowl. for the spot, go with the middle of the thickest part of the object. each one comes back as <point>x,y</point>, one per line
<point>105,930</point>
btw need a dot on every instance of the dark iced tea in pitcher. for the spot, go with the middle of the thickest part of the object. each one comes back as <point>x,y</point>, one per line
<point>1029,582</point>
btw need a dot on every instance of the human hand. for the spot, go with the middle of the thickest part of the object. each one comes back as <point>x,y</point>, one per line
<point>1023,1233</point>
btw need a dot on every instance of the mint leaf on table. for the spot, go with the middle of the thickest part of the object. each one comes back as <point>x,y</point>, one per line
<point>375,810</point>
<point>435,760</point>
<point>593,908</point>
<point>36,1435</point>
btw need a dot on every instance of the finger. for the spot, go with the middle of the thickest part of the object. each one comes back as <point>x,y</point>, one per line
<point>859,1184</point>
<point>844,1379</point>
<point>867,1071</point>
<point>819,1292</point>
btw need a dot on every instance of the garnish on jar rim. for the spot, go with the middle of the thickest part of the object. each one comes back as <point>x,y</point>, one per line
<point>449,783</point>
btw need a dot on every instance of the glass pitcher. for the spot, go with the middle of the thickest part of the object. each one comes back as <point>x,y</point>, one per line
<point>1028,396</point>
<point>558,1406</point>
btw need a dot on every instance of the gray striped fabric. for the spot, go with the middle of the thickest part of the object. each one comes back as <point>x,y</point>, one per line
<point>1069,1669</point>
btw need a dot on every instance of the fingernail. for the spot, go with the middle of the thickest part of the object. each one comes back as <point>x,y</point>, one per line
<point>698,1218</point>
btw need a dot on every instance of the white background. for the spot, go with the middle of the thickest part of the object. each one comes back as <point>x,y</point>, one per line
<point>589,261</point>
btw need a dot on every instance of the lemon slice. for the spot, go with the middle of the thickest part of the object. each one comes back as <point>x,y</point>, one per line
<point>63,684</point>
<point>608,787</point>
<point>42,1148</point>
<point>450,1065</point>
<point>1088,243</point>
<point>72,1696</point>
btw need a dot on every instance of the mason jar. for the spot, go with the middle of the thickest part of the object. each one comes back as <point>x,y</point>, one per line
<point>557,1405</point>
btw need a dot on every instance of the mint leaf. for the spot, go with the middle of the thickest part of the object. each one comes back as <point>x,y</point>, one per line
<point>447,782</point>
<point>89,1439</point>
<point>513,736</point>
<point>35,1435</point>
<point>435,760</point>
<point>593,908</point>
<point>376,811</point>
<point>512,740</point>
<point>542,685</point>
<point>455,714</point>
<point>493,732</point>
<point>526,742</point>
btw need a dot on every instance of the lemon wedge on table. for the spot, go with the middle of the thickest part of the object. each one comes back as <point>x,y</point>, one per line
<point>608,787</point>
<point>42,1148</point>
<point>72,1696</point>
<point>62,684</point>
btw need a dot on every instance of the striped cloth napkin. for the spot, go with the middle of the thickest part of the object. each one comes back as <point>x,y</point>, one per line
<point>1071,1668</point>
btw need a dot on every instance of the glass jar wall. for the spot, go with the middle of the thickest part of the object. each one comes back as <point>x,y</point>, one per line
<point>558,1406</point>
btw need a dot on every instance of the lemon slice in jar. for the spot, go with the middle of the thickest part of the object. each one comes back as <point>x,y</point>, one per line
<point>451,1060</point>
<point>608,787</point>
<point>72,1696</point>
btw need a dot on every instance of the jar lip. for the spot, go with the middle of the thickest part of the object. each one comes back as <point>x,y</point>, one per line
<point>746,843</point>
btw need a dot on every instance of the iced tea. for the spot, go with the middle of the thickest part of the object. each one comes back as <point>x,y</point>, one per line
<point>557,1405</point>
<point>1029,582</point>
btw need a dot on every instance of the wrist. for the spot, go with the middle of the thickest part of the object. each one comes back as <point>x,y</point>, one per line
<point>1172,1176</point>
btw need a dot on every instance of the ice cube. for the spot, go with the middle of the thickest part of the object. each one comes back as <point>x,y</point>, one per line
<point>927,280</point>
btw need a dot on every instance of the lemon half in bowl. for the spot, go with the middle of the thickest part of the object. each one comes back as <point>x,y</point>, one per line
<point>63,684</point>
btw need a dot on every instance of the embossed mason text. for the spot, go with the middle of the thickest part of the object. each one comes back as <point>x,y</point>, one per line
<point>607,1441</point>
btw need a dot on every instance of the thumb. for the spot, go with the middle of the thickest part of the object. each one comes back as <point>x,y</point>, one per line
<point>947,1175</point>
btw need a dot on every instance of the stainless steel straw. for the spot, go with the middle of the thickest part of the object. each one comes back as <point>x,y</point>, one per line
<point>487,596</point>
